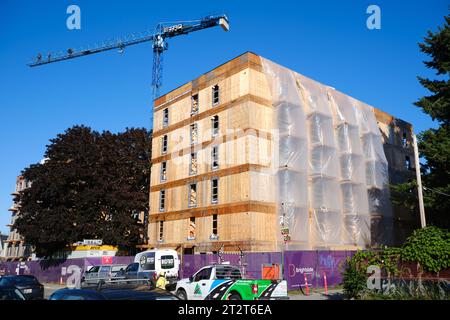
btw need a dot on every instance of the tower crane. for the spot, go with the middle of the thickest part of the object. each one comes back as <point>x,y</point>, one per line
<point>162,32</point>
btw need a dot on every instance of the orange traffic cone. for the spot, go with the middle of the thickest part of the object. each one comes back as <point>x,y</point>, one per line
<point>325,283</point>
<point>61,282</point>
<point>306,285</point>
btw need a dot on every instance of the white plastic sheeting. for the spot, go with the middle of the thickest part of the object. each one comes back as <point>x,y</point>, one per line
<point>329,168</point>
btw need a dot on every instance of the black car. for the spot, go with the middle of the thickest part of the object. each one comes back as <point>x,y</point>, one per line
<point>10,293</point>
<point>113,293</point>
<point>27,284</point>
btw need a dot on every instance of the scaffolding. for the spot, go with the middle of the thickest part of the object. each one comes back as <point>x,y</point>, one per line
<point>330,170</point>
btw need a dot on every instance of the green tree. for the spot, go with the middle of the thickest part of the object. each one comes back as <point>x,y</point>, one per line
<point>430,247</point>
<point>91,186</point>
<point>434,144</point>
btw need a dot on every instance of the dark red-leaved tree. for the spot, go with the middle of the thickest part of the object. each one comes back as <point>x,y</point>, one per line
<point>91,186</point>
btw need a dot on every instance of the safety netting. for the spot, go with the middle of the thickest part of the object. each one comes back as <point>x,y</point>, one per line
<point>329,166</point>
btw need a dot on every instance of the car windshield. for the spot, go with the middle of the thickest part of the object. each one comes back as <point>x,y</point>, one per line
<point>133,267</point>
<point>94,269</point>
<point>117,268</point>
<point>105,269</point>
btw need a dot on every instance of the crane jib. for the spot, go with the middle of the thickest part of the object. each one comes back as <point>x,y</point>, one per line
<point>158,45</point>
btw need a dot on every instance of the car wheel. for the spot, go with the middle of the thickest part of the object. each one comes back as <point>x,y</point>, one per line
<point>234,296</point>
<point>181,294</point>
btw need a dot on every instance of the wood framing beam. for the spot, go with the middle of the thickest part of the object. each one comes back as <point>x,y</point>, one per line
<point>225,70</point>
<point>212,111</point>
<point>218,140</point>
<point>211,174</point>
<point>214,245</point>
<point>228,208</point>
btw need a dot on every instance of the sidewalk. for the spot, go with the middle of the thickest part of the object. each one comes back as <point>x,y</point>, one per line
<point>333,294</point>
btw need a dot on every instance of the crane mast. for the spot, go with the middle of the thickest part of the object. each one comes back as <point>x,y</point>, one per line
<point>158,38</point>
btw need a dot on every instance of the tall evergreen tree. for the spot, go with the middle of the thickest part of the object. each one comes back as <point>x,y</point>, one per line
<point>91,186</point>
<point>434,144</point>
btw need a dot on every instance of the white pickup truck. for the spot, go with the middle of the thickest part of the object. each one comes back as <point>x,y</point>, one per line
<point>224,282</point>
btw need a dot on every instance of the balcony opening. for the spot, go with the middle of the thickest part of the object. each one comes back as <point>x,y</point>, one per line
<point>192,195</point>
<point>193,164</point>
<point>215,157</point>
<point>194,104</point>
<point>191,234</point>
<point>164,145</point>
<point>162,200</point>
<point>194,133</point>
<point>215,190</point>
<point>215,126</point>
<point>404,140</point>
<point>215,95</point>
<point>165,117</point>
<point>161,231</point>
<point>163,171</point>
<point>214,224</point>
<point>408,164</point>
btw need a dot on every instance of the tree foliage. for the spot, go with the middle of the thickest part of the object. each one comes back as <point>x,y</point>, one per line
<point>437,46</point>
<point>429,247</point>
<point>91,186</point>
<point>434,144</point>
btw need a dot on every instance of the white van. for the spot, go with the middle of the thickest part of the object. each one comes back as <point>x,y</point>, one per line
<point>159,260</point>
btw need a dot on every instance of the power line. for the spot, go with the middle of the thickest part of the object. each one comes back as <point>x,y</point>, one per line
<point>437,191</point>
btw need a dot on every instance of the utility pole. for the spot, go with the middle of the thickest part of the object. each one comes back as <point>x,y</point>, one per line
<point>423,223</point>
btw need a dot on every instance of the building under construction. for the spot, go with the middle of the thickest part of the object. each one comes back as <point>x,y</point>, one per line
<point>15,247</point>
<point>253,156</point>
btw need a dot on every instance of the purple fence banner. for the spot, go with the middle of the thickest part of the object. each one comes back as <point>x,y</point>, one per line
<point>55,271</point>
<point>315,265</point>
<point>251,263</point>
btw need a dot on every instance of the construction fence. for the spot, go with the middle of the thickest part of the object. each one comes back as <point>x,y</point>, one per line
<point>314,265</point>
<point>57,271</point>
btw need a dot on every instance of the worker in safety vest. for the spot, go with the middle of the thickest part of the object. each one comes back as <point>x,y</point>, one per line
<point>161,282</point>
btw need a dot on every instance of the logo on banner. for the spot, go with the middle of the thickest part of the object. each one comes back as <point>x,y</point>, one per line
<point>293,270</point>
<point>328,261</point>
<point>107,259</point>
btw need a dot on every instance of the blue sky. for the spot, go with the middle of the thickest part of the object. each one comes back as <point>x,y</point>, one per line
<point>325,40</point>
